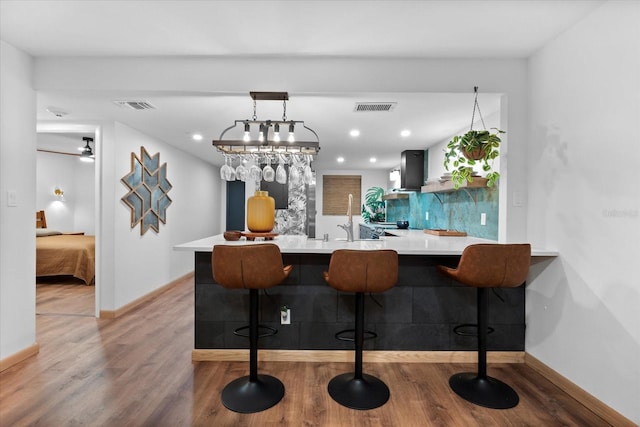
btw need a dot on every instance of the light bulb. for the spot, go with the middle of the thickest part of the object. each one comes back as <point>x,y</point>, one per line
<point>247,134</point>
<point>276,133</point>
<point>291,137</point>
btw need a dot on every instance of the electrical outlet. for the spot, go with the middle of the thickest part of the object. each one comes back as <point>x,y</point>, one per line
<point>426,216</point>
<point>483,218</point>
<point>285,316</point>
<point>518,199</point>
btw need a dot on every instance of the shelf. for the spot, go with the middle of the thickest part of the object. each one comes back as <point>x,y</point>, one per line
<point>440,232</point>
<point>395,196</point>
<point>447,186</point>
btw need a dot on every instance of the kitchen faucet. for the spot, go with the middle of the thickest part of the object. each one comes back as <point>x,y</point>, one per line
<point>348,227</point>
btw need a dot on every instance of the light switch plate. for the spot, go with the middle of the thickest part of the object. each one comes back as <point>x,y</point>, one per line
<point>12,198</point>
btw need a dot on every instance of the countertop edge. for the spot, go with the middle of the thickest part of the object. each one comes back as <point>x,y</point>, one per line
<point>413,244</point>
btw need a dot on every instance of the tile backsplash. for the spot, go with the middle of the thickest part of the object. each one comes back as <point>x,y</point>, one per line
<point>459,210</point>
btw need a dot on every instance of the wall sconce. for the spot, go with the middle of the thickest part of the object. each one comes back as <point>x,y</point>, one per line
<point>59,193</point>
<point>394,175</point>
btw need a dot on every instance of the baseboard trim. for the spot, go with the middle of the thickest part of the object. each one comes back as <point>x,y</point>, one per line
<point>111,314</point>
<point>18,357</point>
<point>371,356</point>
<point>599,408</point>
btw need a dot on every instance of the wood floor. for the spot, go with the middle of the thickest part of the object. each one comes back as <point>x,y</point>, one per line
<point>64,295</point>
<point>136,370</point>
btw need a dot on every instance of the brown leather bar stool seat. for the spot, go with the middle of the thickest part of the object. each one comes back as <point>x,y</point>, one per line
<point>359,272</point>
<point>252,267</point>
<point>485,266</point>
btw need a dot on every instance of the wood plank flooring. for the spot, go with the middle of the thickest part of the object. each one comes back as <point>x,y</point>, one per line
<point>64,295</point>
<point>136,370</point>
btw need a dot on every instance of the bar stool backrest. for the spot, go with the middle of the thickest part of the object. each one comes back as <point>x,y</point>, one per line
<point>362,271</point>
<point>248,267</point>
<point>492,265</point>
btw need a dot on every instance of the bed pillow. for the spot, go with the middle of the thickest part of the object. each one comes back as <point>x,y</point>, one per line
<point>43,232</point>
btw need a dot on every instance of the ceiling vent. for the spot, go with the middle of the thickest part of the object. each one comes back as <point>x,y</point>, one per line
<point>136,105</point>
<point>374,106</point>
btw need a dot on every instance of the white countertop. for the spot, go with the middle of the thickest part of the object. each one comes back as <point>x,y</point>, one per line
<point>407,242</point>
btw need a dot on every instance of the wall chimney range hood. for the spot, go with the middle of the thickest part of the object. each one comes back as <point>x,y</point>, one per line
<point>411,170</point>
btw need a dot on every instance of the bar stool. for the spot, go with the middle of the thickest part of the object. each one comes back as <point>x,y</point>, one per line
<point>359,272</point>
<point>250,267</point>
<point>488,266</point>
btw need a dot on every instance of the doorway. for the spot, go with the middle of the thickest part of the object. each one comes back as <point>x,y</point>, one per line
<point>235,205</point>
<point>67,189</point>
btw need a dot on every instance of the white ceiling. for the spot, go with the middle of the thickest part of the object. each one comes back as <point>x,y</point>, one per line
<point>350,29</point>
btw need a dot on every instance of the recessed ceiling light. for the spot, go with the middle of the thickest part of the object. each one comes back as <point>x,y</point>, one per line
<point>196,137</point>
<point>354,133</point>
<point>405,133</point>
<point>340,159</point>
<point>373,160</point>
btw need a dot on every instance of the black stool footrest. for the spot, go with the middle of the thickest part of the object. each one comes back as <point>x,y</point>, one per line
<point>458,330</point>
<point>484,391</point>
<point>368,335</point>
<point>367,392</point>
<point>272,331</point>
<point>246,396</point>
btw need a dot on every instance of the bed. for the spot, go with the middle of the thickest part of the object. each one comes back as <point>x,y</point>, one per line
<point>60,254</point>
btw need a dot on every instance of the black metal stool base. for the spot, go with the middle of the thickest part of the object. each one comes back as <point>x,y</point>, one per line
<point>245,396</point>
<point>488,392</point>
<point>366,393</point>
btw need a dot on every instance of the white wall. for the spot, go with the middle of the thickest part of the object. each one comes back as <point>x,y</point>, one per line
<point>84,197</point>
<point>582,310</point>
<point>76,178</point>
<point>144,263</point>
<point>329,223</point>
<point>17,173</point>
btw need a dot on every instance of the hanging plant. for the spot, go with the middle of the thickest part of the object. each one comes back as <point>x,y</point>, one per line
<point>463,152</point>
<point>373,207</point>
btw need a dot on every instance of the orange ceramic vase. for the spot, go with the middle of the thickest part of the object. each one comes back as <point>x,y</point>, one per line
<point>261,212</point>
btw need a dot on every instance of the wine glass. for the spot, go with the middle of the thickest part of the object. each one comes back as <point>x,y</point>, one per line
<point>222,172</point>
<point>225,170</point>
<point>281,173</point>
<point>308,173</point>
<point>268,174</point>
<point>241,172</point>
<point>294,174</point>
<point>231,173</point>
<point>255,173</point>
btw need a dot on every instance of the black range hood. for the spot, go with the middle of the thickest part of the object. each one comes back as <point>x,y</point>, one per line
<point>411,170</point>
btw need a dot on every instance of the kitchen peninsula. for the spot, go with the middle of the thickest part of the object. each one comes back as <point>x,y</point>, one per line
<point>419,313</point>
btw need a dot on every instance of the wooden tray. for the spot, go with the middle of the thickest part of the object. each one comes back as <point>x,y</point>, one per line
<point>441,232</point>
<point>252,236</point>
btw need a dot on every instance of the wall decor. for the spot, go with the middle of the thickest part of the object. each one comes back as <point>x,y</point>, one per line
<point>148,187</point>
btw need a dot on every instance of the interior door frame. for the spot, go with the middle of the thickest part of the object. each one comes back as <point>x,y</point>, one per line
<point>48,127</point>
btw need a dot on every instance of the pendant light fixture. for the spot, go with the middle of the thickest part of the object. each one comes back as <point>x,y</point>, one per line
<point>266,144</point>
<point>269,140</point>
